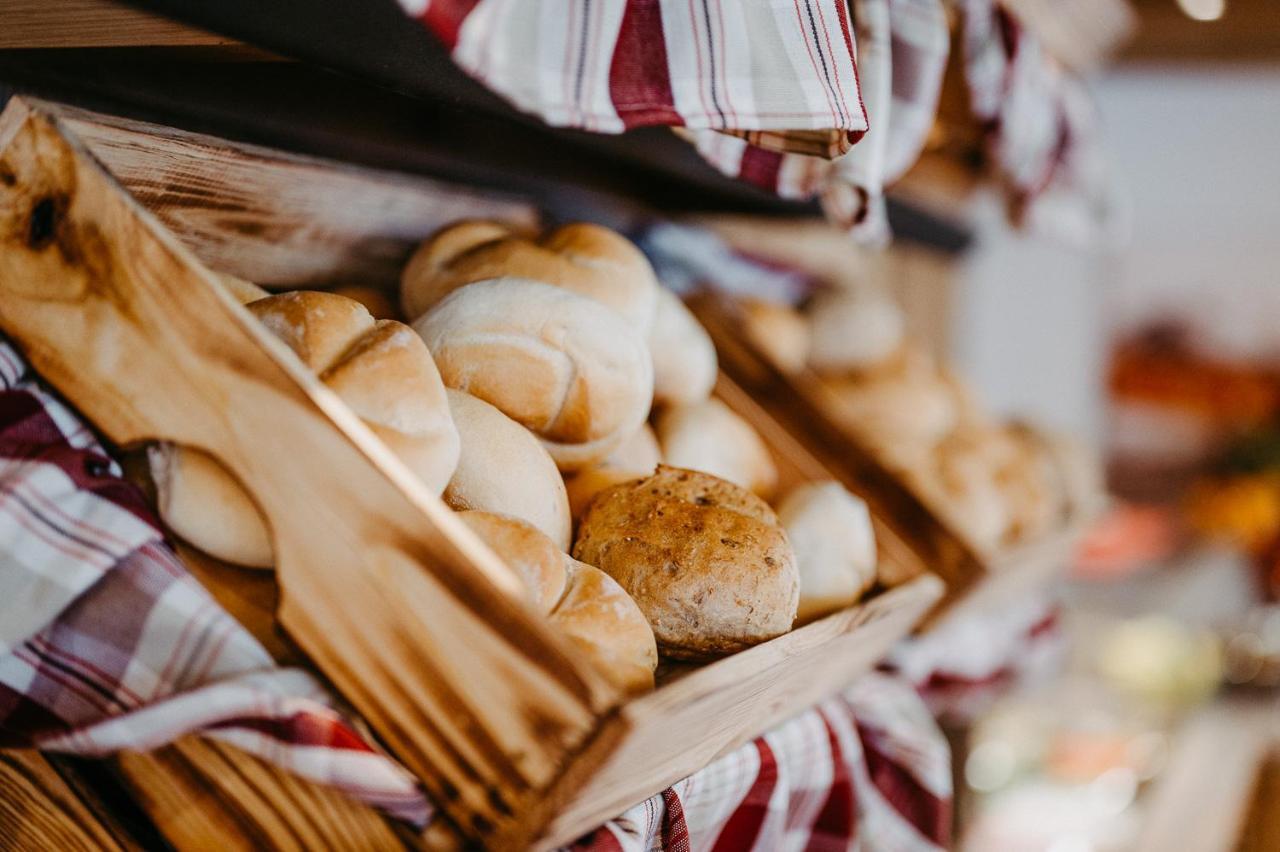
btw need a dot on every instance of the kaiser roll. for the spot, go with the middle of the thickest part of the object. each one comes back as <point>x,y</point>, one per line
<point>854,329</point>
<point>706,561</point>
<point>584,603</point>
<point>830,531</point>
<point>503,468</point>
<point>562,365</point>
<point>380,369</point>
<point>585,259</point>
<point>708,436</point>
<point>636,458</point>
<point>684,358</point>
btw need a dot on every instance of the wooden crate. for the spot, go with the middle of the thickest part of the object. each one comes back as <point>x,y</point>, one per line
<point>800,404</point>
<point>407,614</point>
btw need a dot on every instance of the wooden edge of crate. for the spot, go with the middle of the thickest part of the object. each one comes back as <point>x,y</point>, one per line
<point>273,217</point>
<point>122,319</point>
<point>903,517</point>
<point>684,725</point>
<point>796,408</point>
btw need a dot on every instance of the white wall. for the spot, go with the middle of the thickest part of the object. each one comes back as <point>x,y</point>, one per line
<point>1197,155</point>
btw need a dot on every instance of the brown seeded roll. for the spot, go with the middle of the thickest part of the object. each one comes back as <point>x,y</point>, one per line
<point>708,436</point>
<point>684,358</point>
<point>854,329</point>
<point>565,367</point>
<point>779,331</point>
<point>706,561</point>
<point>581,601</point>
<point>380,369</point>
<point>835,546</point>
<point>503,468</point>
<point>637,458</point>
<point>585,259</point>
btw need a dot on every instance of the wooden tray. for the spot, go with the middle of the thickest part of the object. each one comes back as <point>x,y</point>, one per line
<point>381,587</point>
<point>800,404</point>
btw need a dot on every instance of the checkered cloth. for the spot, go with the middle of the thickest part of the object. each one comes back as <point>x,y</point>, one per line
<point>106,643</point>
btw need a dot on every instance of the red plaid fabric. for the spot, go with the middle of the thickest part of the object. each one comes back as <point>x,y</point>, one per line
<point>106,643</point>
<point>867,769</point>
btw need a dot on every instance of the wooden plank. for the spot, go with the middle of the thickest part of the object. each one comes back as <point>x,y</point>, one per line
<point>1262,826</point>
<point>701,716</point>
<point>38,810</point>
<point>383,588</point>
<point>277,219</point>
<point>202,794</point>
<point>94,23</point>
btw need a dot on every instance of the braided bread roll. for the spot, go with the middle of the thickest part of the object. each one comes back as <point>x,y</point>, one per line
<point>582,258</point>
<point>580,600</point>
<point>565,367</point>
<point>379,368</point>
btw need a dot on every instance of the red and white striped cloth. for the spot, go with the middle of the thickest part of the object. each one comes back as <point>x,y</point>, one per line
<point>778,93</point>
<point>106,643</point>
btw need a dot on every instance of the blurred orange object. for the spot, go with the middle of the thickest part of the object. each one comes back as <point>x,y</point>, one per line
<point>1244,509</point>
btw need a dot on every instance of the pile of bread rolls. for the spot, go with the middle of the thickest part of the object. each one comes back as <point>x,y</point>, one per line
<point>996,484</point>
<point>560,400</point>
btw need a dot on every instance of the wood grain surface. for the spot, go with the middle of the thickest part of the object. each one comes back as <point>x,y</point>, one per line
<point>386,592</point>
<point>38,810</point>
<point>93,23</point>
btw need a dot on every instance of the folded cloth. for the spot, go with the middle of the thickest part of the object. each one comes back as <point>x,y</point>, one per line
<point>867,769</point>
<point>107,643</point>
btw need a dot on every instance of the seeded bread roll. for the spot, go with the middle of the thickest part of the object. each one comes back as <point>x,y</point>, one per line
<point>585,259</point>
<point>684,358</point>
<point>706,561</point>
<point>503,468</point>
<point>637,458</point>
<point>830,531</point>
<point>708,436</point>
<point>583,602</point>
<point>564,366</point>
<point>380,369</point>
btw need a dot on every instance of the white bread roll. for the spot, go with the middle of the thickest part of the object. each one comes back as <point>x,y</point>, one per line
<point>684,358</point>
<point>504,469</point>
<point>380,369</point>
<point>854,329</point>
<point>709,437</point>
<point>564,366</point>
<point>900,418</point>
<point>592,611</point>
<point>958,481</point>
<point>637,458</point>
<point>830,532</point>
<point>585,259</point>
<point>779,331</point>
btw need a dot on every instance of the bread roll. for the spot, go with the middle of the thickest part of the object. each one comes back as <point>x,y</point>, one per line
<point>503,468</point>
<point>960,485</point>
<point>684,358</point>
<point>708,436</point>
<point>380,369</point>
<point>204,504</point>
<point>636,458</point>
<point>705,560</point>
<point>830,532</point>
<point>854,329</point>
<point>585,259</point>
<point>779,331</point>
<point>581,601</point>
<point>564,366</point>
<point>376,302</point>
<point>900,418</point>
